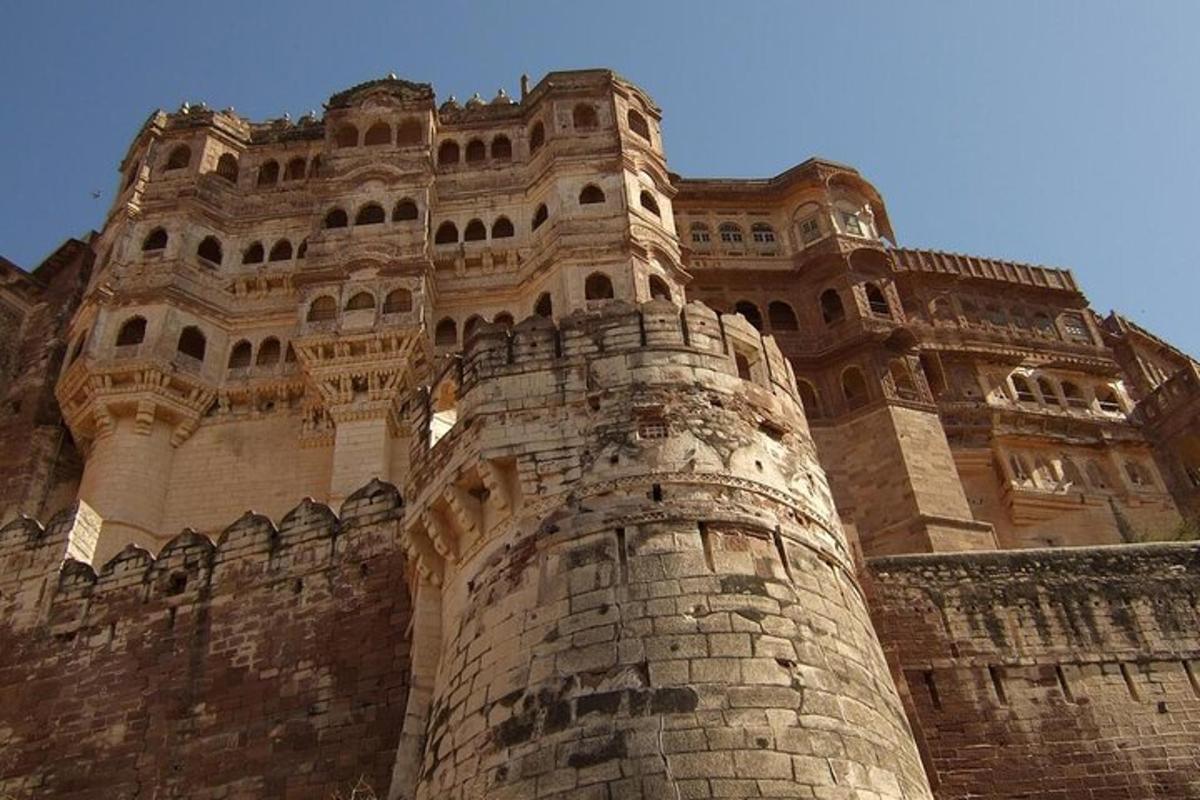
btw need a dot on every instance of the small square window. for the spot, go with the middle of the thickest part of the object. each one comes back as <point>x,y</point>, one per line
<point>810,230</point>
<point>701,237</point>
<point>651,424</point>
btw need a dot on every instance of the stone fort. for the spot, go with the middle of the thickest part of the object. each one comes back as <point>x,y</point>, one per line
<point>466,451</point>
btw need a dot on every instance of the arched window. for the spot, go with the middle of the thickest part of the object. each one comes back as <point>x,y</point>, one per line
<point>476,151</point>
<point>541,215</point>
<point>649,203</point>
<point>370,214</point>
<point>322,309</point>
<point>598,286</point>
<point>902,380</point>
<point>254,254</point>
<point>347,136</point>
<point>502,148</point>
<point>1075,328</point>
<point>877,302</point>
<point>361,301</point>
<point>1020,469</point>
<point>700,233</point>
<point>405,211</point>
<point>268,173</point>
<point>1023,390</point>
<point>295,169</point>
<point>377,134</point>
<point>591,195</point>
<point>637,124</point>
<point>156,240</point>
<point>472,324</point>
<point>1072,478</point>
<point>314,167</point>
<point>281,251</point>
<point>302,250</point>
<point>210,250</point>
<point>268,352</point>
<point>447,233</point>
<point>1044,325</point>
<point>1096,476</point>
<point>475,231</point>
<point>1107,400</point>
<point>448,153</point>
<point>503,318</point>
<point>537,137</point>
<point>659,290</point>
<point>941,310</point>
<point>446,333</point>
<point>831,307</point>
<point>240,355</point>
<point>854,388</point>
<point>544,307</point>
<point>1049,396</point>
<point>584,117</point>
<point>810,400</point>
<point>1073,395</point>
<point>180,157</point>
<point>750,312</point>
<point>192,342</point>
<point>336,218</point>
<point>1137,474</point>
<point>227,167</point>
<point>502,228</point>
<point>397,301</point>
<point>781,316</point>
<point>730,233</point>
<point>409,133</point>
<point>762,233</point>
<point>133,331</point>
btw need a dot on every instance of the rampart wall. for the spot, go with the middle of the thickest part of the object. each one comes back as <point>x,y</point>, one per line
<point>272,664</point>
<point>1048,673</point>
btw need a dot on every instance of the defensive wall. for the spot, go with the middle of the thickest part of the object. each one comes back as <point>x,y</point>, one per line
<point>1048,673</point>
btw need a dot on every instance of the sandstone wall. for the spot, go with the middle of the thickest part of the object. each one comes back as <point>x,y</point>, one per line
<point>274,664</point>
<point>659,601</point>
<point>1049,673</point>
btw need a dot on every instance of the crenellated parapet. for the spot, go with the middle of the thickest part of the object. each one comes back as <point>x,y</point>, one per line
<point>47,578</point>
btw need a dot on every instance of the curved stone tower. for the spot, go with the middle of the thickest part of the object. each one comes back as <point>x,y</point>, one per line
<point>644,590</point>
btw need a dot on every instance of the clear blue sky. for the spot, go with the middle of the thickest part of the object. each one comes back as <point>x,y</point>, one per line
<point>1063,133</point>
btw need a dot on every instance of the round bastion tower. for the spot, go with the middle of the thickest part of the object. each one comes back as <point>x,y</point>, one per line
<point>643,587</point>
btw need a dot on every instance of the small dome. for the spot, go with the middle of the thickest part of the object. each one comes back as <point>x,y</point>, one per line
<point>501,98</point>
<point>475,102</point>
<point>451,104</point>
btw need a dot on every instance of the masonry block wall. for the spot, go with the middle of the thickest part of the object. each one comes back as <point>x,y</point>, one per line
<point>661,604</point>
<point>274,664</point>
<point>40,467</point>
<point>1064,673</point>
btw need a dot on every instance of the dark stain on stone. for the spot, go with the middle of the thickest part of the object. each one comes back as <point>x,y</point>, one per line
<point>743,584</point>
<point>600,703</point>
<point>673,700</point>
<point>612,749</point>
